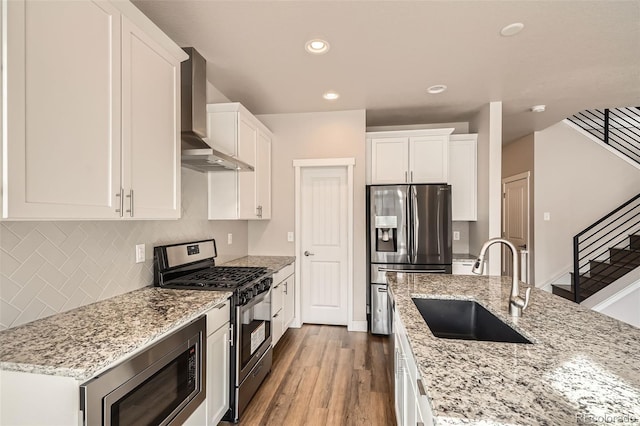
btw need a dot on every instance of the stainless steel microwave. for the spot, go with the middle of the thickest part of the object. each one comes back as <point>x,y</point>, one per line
<point>162,385</point>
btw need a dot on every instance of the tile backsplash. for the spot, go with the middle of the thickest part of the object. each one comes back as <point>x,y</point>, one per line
<point>52,267</point>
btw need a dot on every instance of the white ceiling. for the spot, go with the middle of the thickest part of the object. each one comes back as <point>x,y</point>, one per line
<point>571,55</point>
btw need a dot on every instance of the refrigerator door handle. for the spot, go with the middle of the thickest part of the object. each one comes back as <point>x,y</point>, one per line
<point>414,223</point>
<point>414,271</point>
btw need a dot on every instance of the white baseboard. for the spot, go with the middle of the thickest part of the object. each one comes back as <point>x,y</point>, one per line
<point>358,326</point>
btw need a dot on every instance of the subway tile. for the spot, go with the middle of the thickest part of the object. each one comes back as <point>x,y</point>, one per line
<point>8,265</point>
<point>28,269</point>
<point>28,246</point>
<point>52,232</point>
<point>52,254</point>
<point>52,298</point>
<point>73,262</point>
<point>52,276</point>
<point>32,312</point>
<point>8,314</point>
<point>8,288</point>
<point>28,293</point>
<point>73,241</point>
<point>92,269</point>
<point>8,240</point>
<point>73,283</point>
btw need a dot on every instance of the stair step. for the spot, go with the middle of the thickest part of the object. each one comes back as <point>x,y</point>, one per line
<point>607,269</point>
<point>624,256</point>
<point>634,242</point>
<point>566,291</point>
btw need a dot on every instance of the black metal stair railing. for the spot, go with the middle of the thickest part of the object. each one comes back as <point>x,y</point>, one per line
<point>595,242</point>
<point>617,127</point>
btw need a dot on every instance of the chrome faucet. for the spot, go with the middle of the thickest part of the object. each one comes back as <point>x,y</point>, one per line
<point>516,303</point>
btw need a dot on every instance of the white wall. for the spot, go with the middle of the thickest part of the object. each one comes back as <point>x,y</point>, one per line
<point>313,135</point>
<point>52,267</point>
<point>624,308</point>
<point>488,125</point>
<point>577,182</point>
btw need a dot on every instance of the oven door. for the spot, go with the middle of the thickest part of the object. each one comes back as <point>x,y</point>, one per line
<point>254,332</point>
<point>163,385</point>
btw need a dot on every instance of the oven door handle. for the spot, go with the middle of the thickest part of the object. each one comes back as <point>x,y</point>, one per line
<point>259,298</point>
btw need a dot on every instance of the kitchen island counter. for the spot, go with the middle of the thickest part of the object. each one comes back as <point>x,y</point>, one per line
<point>583,367</point>
<point>84,341</point>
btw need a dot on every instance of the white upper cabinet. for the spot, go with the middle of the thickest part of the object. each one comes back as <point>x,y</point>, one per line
<point>150,126</point>
<point>409,156</point>
<point>232,129</point>
<point>91,113</point>
<point>463,176</point>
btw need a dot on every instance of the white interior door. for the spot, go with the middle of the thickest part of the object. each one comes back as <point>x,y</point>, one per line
<point>324,263</point>
<point>515,227</point>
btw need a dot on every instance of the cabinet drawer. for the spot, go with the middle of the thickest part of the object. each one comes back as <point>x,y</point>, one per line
<point>283,273</point>
<point>218,316</point>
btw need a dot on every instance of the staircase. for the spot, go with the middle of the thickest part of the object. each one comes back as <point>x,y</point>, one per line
<point>604,252</point>
<point>617,128</point>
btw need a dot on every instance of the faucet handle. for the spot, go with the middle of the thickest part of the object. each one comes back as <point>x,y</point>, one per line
<point>526,298</point>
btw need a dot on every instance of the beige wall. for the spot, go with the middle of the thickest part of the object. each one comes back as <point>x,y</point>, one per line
<point>577,182</point>
<point>305,136</point>
<point>488,125</point>
<point>52,267</point>
<point>517,158</point>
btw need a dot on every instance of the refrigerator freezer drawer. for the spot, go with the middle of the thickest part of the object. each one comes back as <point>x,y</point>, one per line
<point>380,310</point>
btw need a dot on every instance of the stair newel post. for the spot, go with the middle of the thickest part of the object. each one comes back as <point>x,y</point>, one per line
<point>576,270</point>
<point>606,126</point>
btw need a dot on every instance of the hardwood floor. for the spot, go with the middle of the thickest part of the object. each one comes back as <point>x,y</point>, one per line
<point>324,375</point>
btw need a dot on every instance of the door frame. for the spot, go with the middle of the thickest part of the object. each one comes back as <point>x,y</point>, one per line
<point>298,165</point>
<point>527,176</point>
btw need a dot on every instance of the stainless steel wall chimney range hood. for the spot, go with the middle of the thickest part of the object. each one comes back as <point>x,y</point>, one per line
<point>197,154</point>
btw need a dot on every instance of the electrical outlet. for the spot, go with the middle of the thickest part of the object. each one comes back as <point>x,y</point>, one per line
<point>456,236</point>
<point>229,239</point>
<point>290,236</point>
<point>547,216</point>
<point>139,253</point>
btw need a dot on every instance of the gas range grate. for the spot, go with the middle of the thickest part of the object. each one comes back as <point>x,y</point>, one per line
<point>221,277</point>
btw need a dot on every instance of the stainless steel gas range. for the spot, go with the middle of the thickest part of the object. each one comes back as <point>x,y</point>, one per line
<point>192,266</point>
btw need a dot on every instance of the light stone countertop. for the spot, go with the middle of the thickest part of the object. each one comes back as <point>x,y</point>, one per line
<point>274,263</point>
<point>581,363</point>
<point>84,341</point>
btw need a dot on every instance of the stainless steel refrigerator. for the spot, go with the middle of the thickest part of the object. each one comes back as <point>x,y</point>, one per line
<point>409,231</point>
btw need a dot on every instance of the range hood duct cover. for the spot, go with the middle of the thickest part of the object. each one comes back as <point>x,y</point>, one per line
<point>197,154</point>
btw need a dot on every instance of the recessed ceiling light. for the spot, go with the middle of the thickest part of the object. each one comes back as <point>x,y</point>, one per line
<point>538,108</point>
<point>331,96</point>
<point>317,46</point>
<point>438,88</point>
<point>512,29</point>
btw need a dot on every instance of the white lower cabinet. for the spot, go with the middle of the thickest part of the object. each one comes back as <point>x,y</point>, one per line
<point>218,337</point>
<point>282,302</point>
<point>198,417</point>
<point>411,401</point>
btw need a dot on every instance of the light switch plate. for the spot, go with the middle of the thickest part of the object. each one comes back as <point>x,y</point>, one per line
<point>139,253</point>
<point>229,239</point>
<point>290,237</point>
<point>456,236</point>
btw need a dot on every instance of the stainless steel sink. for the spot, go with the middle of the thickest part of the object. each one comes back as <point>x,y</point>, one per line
<point>465,319</point>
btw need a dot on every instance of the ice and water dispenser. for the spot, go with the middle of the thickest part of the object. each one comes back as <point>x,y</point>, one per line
<point>386,233</point>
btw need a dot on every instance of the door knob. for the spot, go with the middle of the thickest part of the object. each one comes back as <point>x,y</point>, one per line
<point>308,253</point>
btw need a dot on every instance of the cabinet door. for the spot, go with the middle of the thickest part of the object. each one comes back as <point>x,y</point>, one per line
<point>288,309</point>
<point>247,140</point>
<point>263,175</point>
<point>150,127</point>
<point>217,374</point>
<point>463,177</point>
<point>389,160</point>
<point>62,125</point>
<point>428,159</point>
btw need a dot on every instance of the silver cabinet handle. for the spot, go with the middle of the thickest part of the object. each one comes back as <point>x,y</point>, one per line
<point>413,271</point>
<point>259,211</point>
<point>286,288</point>
<point>308,253</point>
<point>231,334</point>
<point>130,196</point>
<point>121,202</point>
<point>411,175</point>
<point>406,176</point>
